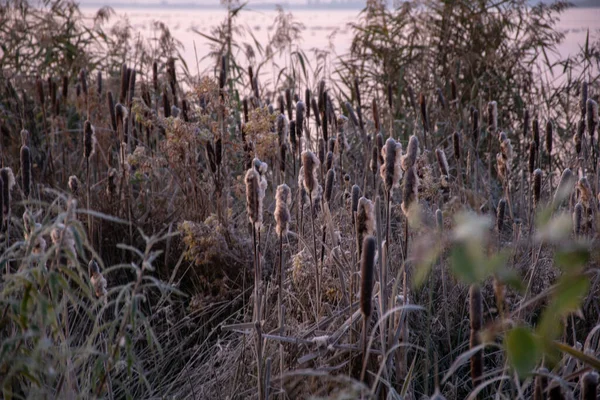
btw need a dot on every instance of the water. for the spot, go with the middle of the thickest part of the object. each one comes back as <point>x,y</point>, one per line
<point>321,30</point>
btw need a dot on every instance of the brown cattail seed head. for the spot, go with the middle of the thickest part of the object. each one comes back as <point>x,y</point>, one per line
<point>124,84</point>
<point>99,83</point>
<point>456,145</point>
<point>98,281</point>
<point>315,108</point>
<point>412,152</point>
<point>578,218</point>
<point>74,185</point>
<point>525,123</point>
<point>89,140</point>
<point>329,161</point>
<point>532,154</point>
<point>310,163</point>
<point>288,102</point>
<point>424,119</point>
<point>592,117</point>
<point>374,159</point>
<point>254,197</point>
<point>307,97</point>
<point>376,116</point>
<point>283,199</point>
<point>583,99</point>
<point>441,99</point>
<point>391,170</point>
<point>8,178</point>
<point>549,130</point>
<point>589,386</point>
<point>26,170</point>
<point>537,187</point>
<point>578,137</point>
<point>442,162</point>
<point>365,219</point>
<point>329,182</point>
<point>83,81</point>
<point>380,143</point>
<point>410,192</point>
<point>390,95</point>
<point>585,191</point>
<point>355,196</point>
<point>367,267</point>
<point>321,151</point>
<point>300,108</point>
<point>493,116</point>
<point>501,212</point>
<point>352,114</point>
<point>223,73</point>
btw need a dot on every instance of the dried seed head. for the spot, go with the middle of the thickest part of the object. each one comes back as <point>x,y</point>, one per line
<point>592,117</point>
<point>111,110</point>
<point>89,140</point>
<point>537,187</point>
<point>493,116</point>
<point>578,218</point>
<point>303,194</point>
<point>367,267</point>
<point>549,130</point>
<point>583,99</point>
<point>535,129</point>
<point>255,193</point>
<point>412,153</point>
<point>283,127</point>
<point>329,161</point>
<point>74,185</point>
<point>283,199</point>
<point>564,189</point>
<point>26,170</point>
<point>365,219</point>
<point>347,181</point>
<point>25,137</point>
<point>166,104</point>
<point>507,150</point>
<point>376,116</point>
<point>293,139</point>
<point>175,111</point>
<point>83,81</point>
<point>307,97</point>
<point>223,73</point>
<point>310,164</point>
<point>329,182</point>
<point>300,108</point>
<point>380,143</point>
<point>97,280</point>
<point>99,83</point>
<point>526,123</point>
<point>502,166</point>
<point>352,114</point>
<point>589,386</point>
<point>355,196</point>
<point>439,219</point>
<point>374,159</point>
<point>578,139</point>
<point>321,151</point>
<point>585,191</point>
<point>442,162</point>
<point>211,156</point>
<point>315,108</point>
<point>500,213</point>
<point>410,192</point>
<point>532,156</point>
<point>391,170</point>
<point>8,178</point>
<point>424,119</point>
<point>124,84</point>
<point>456,145</point>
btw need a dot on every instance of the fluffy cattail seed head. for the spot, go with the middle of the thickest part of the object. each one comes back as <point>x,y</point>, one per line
<point>26,170</point>
<point>8,178</point>
<point>380,143</point>
<point>300,109</point>
<point>537,187</point>
<point>410,192</point>
<point>329,182</point>
<point>310,163</point>
<point>442,162</point>
<point>564,189</point>
<point>391,170</point>
<point>254,197</point>
<point>283,199</point>
<point>74,185</point>
<point>97,280</point>
<point>412,153</point>
<point>365,219</point>
<point>367,267</point>
<point>493,116</point>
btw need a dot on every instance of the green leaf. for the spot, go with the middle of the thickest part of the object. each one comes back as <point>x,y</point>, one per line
<point>462,264</point>
<point>522,349</point>
<point>572,258</point>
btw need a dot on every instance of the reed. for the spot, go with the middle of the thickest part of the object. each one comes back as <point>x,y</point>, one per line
<point>367,268</point>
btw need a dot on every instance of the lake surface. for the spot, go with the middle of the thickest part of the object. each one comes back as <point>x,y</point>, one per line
<point>322,29</point>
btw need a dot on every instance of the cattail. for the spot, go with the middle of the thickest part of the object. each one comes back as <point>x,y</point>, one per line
<point>376,116</point>
<point>502,165</point>
<point>476,322</point>
<point>583,99</point>
<point>131,81</point>
<point>564,189</point>
<point>329,182</point>
<point>219,151</point>
<point>493,116</point>
<point>185,110</point>
<point>245,108</point>
<point>155,76</point>
<point>578,137</point>
<point>310,164</point>
<point>111,110</point>
<point>475,126</point>
<point>412,153</point>
<point>532,155</point>
<point>111,186</point>
<point>98,281</point>
<point>506,148</point>
<point>352,114</point>
<point>380,143</point>
<point>423,104</point>
<point>365,219</point>
<point>556,393</point>
<point>329,160</point>
<point>307,97</point>
<point>283,199</point>
<point>525,123</point>
<point>374,159</point>
<point>211,156</point>
<point>281,104</point>
<point>78,89</point>
<point>83,80</point>
<point>456,145</point>
<point>589,385</point>
<point>254,197</point>
<point>321,151</point>
<point>99,83</point>
<point>315,108</point>
<point>124,84</point>
<point>300,108</point>
<point>577,219</point>
<point>535,128</point>
<point>540,383</point>
<point>283,127</point>
<point>293,138</point>
<point>8,178</point>
<point>223,73</point>
<point>271,109</point>
<point>537,187</point>
<point>410,192</point>
<point>74,185</point>
<point>89,140</point>
<point>442,162</point>
<point>500,213</point>
<point>411,97</point>
<point>39,85</point>
<point>65,87</point>
<point>391,170</point>
<point>288,102</point>
<point>367,267</point>
<point>592,117</point>
<point>585,191</point>
<point>549,130</point>
<point>321,96</point>
<point>26,170</point>
<point>355,196</point>
<point>166,104</point>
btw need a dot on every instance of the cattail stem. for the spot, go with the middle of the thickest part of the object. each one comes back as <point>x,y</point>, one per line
<point>317,271</point>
